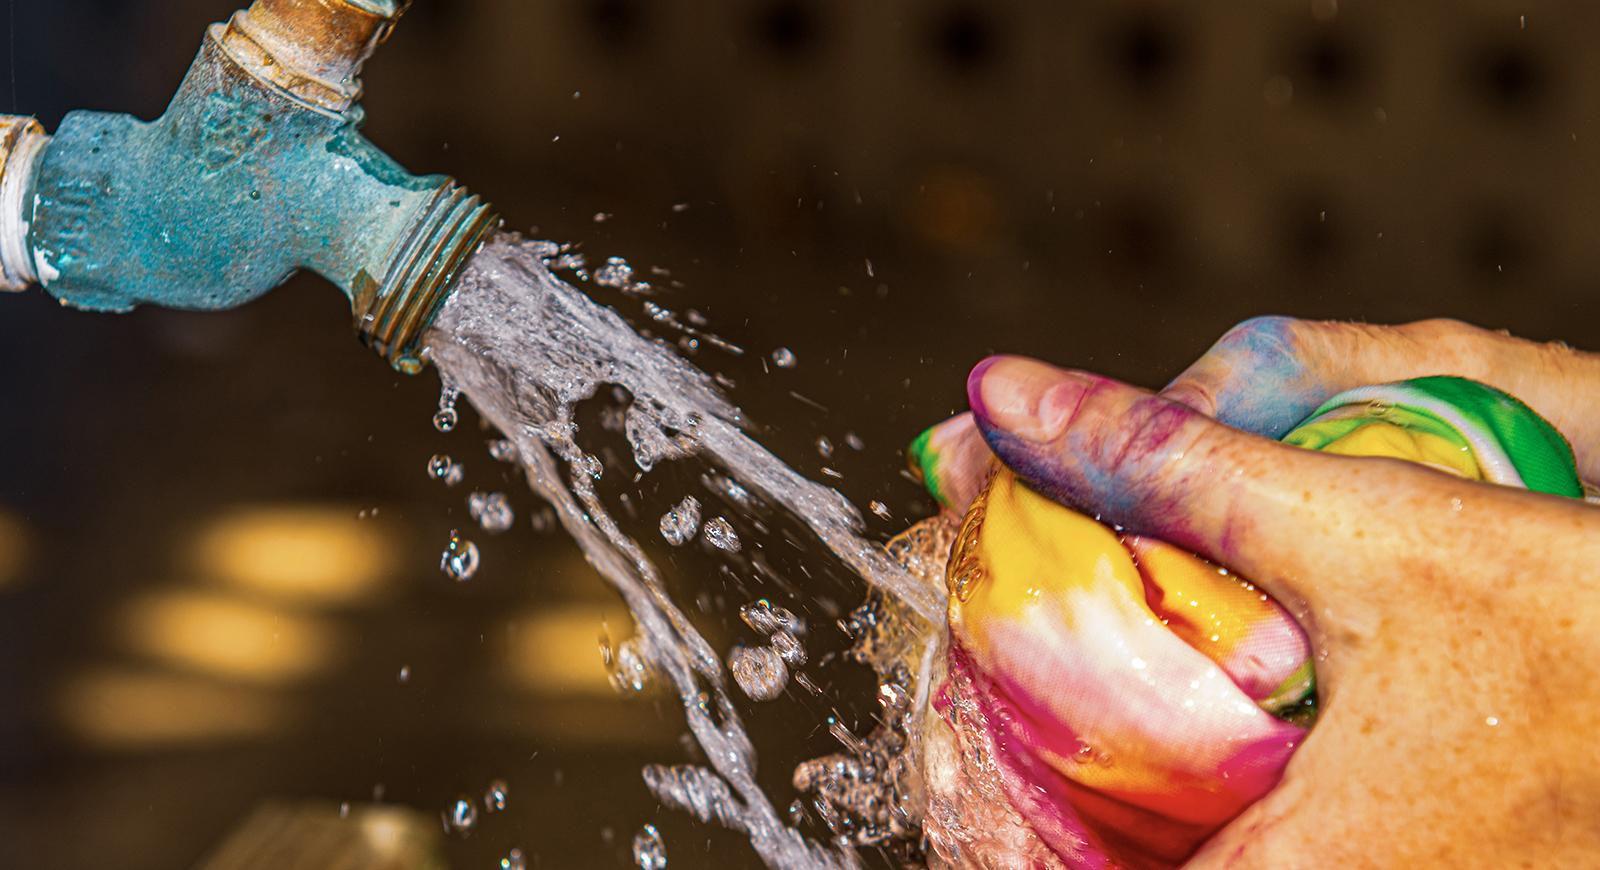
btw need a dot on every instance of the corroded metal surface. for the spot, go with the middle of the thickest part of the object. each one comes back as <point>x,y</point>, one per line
<point>255,171</point>
<point>312,49</point>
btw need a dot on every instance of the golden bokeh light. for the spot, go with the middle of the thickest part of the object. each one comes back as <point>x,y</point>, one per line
<point>119,708</point>
<point>304,554</point>
<point>225,637</point>
<point>557,651</point>
<point>13,549</point>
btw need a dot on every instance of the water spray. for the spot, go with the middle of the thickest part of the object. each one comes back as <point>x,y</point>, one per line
<point>256,171</point>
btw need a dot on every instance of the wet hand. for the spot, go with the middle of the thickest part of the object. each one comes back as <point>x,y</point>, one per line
<point>1455,623</point>
<point>1266,374</point>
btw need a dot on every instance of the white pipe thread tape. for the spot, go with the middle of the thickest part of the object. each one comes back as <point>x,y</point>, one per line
<point>17,269</point>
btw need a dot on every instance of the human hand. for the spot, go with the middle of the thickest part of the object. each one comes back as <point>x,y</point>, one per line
<point>1267,373</point>
<point>1454,622</point>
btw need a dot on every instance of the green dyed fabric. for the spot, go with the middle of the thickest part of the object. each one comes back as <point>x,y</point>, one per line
<point>1494,425</point>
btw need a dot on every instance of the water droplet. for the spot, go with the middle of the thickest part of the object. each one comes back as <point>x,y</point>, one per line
<point>759,671</point>
<point>616,274</point>
<point>966,580</point>
<point>405,674</point>
<point>601,217</point>
<point>854,442</point>
<point>880,509</point>
<point>463,815</point>
<point>491,510</point>
<point>1083,754</point>
<point>445,418</point>
<point>719,532</point>
<point>494,797</point>
<point>893,697</point>
<point>344,810</point>
<point>824,447</point>
<point>789,647</point>
<point>1492,721</point>
<point>442,467</point>
<point>784,358</point>
<point>648,850</point>
<point>679,525</point>
<point>764,617</point>
<point>629,670</point>
<point>502,450</point>
<point>460,558</point>
<point>514,861</point>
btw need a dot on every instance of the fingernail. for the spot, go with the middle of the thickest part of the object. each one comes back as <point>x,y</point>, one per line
<point>1024,397</point>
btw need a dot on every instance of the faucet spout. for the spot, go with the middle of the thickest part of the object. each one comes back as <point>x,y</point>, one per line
<point>256,170</point>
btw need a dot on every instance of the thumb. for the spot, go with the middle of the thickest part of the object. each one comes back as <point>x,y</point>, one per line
<point>1279,515</point>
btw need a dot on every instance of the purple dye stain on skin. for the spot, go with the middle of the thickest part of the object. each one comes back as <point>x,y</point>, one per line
<point>1111,469</point>
<point>1155,421</point>
<point>1264,386</point>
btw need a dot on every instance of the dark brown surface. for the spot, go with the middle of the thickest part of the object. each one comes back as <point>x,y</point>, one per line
<point>1106,184</point>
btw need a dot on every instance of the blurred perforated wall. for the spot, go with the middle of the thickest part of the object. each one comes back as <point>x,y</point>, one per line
<point>890,188</point>
<point>1267,149</point>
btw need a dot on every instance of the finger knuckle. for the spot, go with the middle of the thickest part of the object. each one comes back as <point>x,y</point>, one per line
<point>1268,326</point>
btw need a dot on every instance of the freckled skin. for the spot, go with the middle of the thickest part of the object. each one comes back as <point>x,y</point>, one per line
<point>1460,622</point>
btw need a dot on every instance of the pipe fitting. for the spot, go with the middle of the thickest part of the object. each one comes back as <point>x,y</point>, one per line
<point>22,140</point>
<point>391,316</point>
<point>311,49</point>
<point>255,171</point>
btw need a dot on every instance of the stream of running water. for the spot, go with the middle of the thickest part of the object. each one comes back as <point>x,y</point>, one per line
<point>526,348</point>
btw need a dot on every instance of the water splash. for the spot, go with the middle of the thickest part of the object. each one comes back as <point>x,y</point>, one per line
<point>526,349</point>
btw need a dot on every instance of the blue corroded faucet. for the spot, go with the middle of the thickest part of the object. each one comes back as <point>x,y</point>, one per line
<point>255,171</point>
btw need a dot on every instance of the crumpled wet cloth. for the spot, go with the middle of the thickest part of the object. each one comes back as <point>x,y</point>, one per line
<point>1125,698</point>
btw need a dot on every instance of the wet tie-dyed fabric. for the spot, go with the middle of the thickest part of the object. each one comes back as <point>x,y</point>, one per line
<point>1127,698</point>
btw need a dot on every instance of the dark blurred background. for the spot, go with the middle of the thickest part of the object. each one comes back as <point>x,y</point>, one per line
<point>217,539</point>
